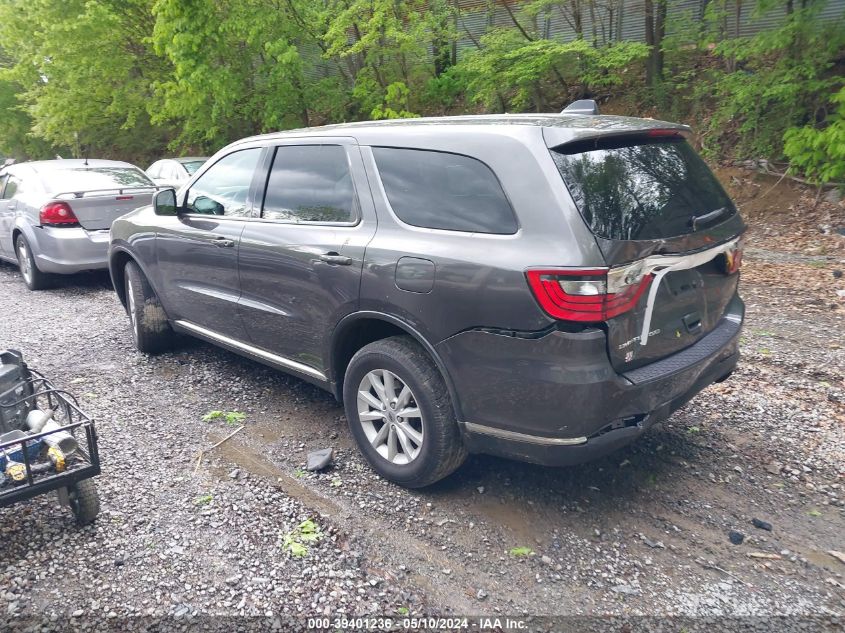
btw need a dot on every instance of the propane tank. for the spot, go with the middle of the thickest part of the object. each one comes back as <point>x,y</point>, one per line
<point>42,421</point>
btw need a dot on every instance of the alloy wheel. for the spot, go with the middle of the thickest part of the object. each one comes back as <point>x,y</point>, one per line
<point>25,261</point>
<point>390,416</point>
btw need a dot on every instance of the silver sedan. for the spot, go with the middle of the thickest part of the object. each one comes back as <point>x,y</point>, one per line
<point>55,215</point>
<point>174,172</point>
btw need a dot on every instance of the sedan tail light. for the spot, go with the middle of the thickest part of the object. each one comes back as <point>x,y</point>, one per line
<point>588,295</point>
<point>57,214</point>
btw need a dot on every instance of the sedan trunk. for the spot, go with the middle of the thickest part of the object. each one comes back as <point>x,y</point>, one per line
<point>98,195</point>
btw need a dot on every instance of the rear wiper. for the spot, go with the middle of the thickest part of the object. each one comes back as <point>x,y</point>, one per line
<point>707,217</point>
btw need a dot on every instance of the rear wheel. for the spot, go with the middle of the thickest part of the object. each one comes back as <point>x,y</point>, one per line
<point>151,332</point>
<point>32,277</point>
<point>400,413</point>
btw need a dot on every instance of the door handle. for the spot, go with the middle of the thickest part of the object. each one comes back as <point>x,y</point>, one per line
<point>223,242</point>
<point>335,259</point>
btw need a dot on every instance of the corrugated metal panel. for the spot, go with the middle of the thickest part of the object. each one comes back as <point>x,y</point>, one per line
<point>625,22</point>
<point>627,16</point>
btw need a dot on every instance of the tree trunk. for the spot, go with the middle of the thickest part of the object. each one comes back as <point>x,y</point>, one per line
<point>655,30</point>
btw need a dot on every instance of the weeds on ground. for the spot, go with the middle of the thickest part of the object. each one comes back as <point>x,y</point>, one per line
<point>232,418</point>
<point>519,552</point>
<point>297,540</point>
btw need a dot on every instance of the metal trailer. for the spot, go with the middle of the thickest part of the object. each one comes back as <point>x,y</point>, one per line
<point>30,390</point>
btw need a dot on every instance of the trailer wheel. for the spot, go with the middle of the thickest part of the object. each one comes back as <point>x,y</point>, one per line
<point>84,501</point>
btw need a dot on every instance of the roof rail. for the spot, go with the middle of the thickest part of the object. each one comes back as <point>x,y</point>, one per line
<point>582,106</point>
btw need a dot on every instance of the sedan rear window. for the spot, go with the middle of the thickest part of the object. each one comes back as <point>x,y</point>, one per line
<point>439,190</point>
<point>93,178</point>
<point>642,190</point>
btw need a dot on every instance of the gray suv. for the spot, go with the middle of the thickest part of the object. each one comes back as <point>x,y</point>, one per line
<point>541,287</point>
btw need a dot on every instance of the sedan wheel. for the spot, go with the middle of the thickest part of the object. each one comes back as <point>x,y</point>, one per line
<point>390,417</point>
<point>25,261</point>
<point>32,277</point>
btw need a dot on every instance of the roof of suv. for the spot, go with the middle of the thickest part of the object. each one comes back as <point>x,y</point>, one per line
<point>564,128</point>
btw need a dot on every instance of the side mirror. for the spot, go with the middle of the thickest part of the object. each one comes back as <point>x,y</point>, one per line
<point>164,202</point>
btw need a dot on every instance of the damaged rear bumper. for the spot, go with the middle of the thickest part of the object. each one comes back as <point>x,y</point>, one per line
<point>556,400</point>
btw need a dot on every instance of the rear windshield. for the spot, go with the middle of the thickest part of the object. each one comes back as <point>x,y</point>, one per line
<point>645,190</point>
<point>93,178</point>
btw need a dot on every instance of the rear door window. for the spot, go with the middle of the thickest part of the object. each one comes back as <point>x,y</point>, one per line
<point>440,190</point>
<point>643,189</point>
<point>310,183</point>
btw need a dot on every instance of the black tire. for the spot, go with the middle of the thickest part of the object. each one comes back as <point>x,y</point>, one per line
<point>441,451</point>
<point>84,501</point>
<point>151,331</point>
<point>32,277</point>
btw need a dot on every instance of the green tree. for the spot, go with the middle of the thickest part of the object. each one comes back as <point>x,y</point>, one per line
<point>84,70</point>
<point>239,68</point>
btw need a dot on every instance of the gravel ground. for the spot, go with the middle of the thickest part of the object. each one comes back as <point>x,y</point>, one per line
<point>643,532</point>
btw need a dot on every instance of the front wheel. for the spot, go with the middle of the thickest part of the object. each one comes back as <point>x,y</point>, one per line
<point>400,413</point>
<point>32,277</point>
<point>151,331</point>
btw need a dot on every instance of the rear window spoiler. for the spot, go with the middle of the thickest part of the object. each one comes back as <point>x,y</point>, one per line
<point>592,128</point>
<point>95,193</point>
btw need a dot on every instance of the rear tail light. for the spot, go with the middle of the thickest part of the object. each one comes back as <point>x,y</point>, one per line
<point>57,214</point>
<point>731,260</point>
<point>588,295</point>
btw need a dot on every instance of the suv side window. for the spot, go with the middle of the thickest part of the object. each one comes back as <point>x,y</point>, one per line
<point>440,190</point>
<point>224,188</point>
<point>310,183</point>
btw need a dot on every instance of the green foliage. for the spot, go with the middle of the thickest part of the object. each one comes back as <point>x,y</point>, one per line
<point>84,69</point>
<point>232,418</point>
<point>297,540</point>
<point>235,72</point>
<point>820,153</point>
<point>513,73</point>
<point>768,83</point>
<point>395,102</point>
<point>135,79</point>
<point>203,500</point>
<point>519,552</point>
